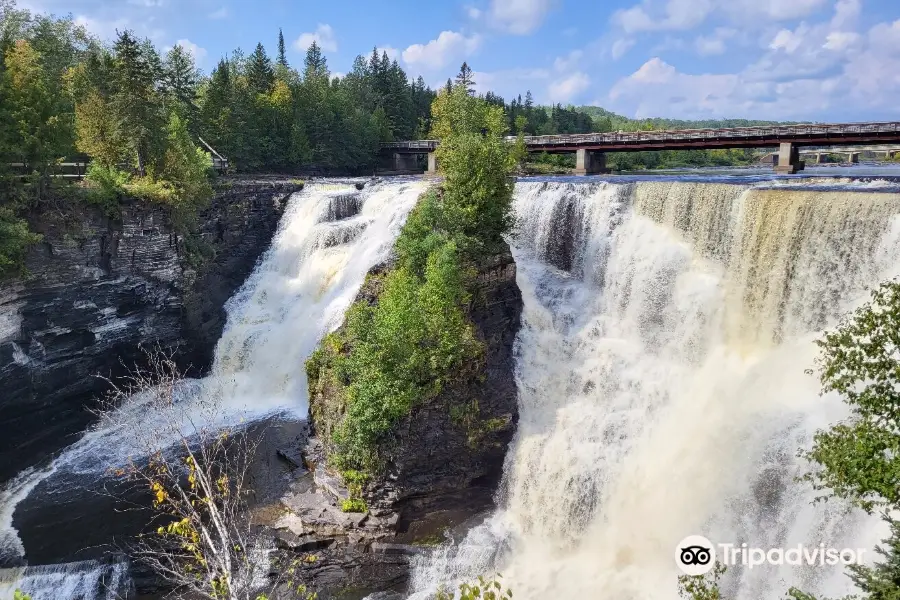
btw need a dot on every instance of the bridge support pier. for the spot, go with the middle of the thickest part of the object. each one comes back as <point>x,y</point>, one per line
<point>405,162</point>
<point>590,162</point>
<point>820,158</point>
<point>432,164</point>
<point>853,157</point>
<point>789,159</point>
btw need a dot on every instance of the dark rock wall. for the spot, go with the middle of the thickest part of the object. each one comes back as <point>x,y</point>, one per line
<point>97,288</point>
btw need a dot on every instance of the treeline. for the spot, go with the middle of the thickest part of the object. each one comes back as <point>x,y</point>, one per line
<point>267,116</point>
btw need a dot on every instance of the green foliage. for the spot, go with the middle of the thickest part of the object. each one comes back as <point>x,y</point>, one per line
<point>881,581</point>
<point>15,239</point>
<point>404,348</point>
<point>859,459</point>
<point>483,589</point>
<point>397,353</point>
<point>702,587</point>
<point>476,163</point>
<point>354,505</point>
<point>20,595</point>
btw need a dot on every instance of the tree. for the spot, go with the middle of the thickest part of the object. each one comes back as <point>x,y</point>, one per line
<point>857,459</point>
<point>180,82</point>
<point>41,132</point>
<point>464,79</point>
<point>196,473</point>
<point>136,101</point>
<point>314,65</point>
<point>260,75</point>
<point>476,162</point>
<point>282,54</point>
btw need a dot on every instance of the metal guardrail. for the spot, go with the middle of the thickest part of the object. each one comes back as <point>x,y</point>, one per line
<point>684,135</point>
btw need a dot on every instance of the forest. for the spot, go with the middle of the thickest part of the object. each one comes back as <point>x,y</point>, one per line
<point>146,118</point>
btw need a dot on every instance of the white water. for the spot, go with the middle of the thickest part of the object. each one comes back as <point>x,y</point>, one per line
<point>299,290</point>
<point>662,390</point>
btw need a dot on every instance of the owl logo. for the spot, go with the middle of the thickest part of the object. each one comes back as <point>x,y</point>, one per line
<point>695,555</point>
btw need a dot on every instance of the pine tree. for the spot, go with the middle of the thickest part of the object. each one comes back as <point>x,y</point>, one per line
<point>315,65</point>
<point>282,55</point>
<point>260,74</point>
<point>135,101</point>
<point>180,81</point>
<point>464,78</point>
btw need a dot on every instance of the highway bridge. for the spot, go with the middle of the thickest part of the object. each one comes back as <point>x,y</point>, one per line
<point>591,148</point>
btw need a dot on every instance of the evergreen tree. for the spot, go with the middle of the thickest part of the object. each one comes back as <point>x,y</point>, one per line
<point>282,54</point>
<point>180,81</point>
<point>38,137</point>
<point>260,74</point>
<point>135,102</point>
<point>314,65</point>
<point>464,78</point>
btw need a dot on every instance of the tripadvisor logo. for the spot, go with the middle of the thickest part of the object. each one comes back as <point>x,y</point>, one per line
<point>696,555</point>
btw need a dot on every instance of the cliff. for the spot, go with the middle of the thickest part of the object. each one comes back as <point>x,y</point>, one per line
<point>445,458</point>
<point>98,287</point>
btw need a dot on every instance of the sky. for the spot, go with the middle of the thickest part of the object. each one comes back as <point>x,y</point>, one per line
<point>824,60</point>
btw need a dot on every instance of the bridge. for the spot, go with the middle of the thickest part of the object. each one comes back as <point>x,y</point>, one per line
<point>591,148</point>
<point>851,152</point>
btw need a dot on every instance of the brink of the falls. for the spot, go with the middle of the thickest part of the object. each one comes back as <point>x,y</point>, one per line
<point>662,387</point>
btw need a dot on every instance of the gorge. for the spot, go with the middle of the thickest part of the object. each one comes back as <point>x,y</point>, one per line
<point>667,325</point>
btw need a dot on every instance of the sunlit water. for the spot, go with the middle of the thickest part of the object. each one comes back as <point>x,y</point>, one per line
<point>329,237</point>
<point>661,382</point>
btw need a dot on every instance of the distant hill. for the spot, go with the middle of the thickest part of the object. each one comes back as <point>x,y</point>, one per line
<point>621,122</point>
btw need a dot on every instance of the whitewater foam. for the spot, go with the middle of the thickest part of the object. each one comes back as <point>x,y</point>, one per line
<point>662,390</point>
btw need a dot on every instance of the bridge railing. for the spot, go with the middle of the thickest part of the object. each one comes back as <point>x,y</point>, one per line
<point>681,135</point>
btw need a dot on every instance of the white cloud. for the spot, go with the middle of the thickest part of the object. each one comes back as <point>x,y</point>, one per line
<point>473,13</point>
<point>788,40</point>
<point>886,37</point>
<point>846,12</point>
<point>775,10</point>
<point>222,13</point>
<point>675,15</point>
<point>519,17</point>
<point>147,3</point>
<point>323,36</point>
<point>714,44</point>
<point>564,90</point>
<point>103,29</point>
<point>683,15</point>
<point>193,49</point>
<point>620,47</point>
<point>390,50</point>
<point>841,40</point>
<point>449,46</point>
<point>568,62</point>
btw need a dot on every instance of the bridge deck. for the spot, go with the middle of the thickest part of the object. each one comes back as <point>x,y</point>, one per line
<point>682,139</point>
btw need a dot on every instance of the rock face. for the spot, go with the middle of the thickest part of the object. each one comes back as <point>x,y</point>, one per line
<point>97,288</point>
<point>447,455</point>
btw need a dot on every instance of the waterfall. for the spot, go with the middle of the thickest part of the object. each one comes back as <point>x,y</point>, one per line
<point>662,393</point>
<point>328,238</point>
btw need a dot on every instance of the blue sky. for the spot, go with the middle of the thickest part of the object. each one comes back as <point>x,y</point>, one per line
<point>830,60</point>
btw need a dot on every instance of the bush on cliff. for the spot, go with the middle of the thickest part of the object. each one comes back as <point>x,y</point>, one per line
<point>402,348</point>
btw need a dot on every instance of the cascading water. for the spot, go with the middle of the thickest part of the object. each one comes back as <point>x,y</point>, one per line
<point>660,365</point>
<point>328,238</point>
